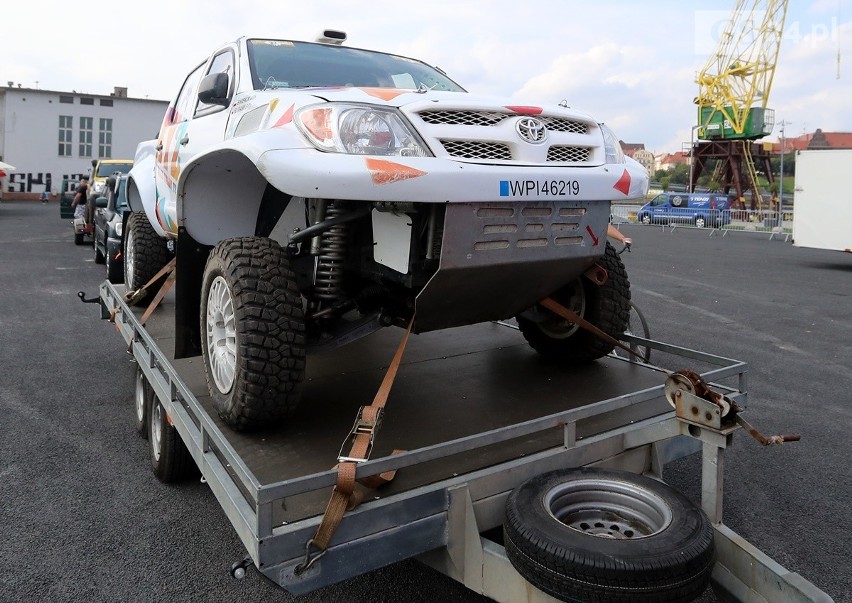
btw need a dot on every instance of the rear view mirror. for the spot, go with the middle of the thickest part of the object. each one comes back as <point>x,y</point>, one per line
<point>214,89</point>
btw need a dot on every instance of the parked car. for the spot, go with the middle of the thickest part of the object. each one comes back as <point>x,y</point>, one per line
<point>102,169</point>
<point>109,226</point>
<point>700,209</point>
<point>319,192</point>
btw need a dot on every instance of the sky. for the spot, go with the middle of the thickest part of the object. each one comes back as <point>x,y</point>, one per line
<point>629,63</point>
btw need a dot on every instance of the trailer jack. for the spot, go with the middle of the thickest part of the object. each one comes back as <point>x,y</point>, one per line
<point>238,569</point>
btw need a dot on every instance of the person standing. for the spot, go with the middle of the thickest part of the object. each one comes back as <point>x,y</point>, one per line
<point>81,195</point>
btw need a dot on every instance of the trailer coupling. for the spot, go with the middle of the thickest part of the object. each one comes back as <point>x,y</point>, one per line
<point>696,402</point>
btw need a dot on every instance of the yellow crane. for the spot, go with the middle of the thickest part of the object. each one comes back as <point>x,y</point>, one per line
<point>733,92</point>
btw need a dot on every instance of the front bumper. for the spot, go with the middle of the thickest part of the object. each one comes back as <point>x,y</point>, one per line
<point>313,174</point>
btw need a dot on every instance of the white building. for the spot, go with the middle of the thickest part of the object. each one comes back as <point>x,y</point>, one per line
<point>50,136</point>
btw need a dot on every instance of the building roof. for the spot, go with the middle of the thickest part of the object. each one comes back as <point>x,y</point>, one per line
<point>815,140</point>
<point>630,148</point>
<point>115,94</point>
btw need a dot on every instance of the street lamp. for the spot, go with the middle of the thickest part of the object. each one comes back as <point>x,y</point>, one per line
<point>781,178</point>
<point>690,188</point>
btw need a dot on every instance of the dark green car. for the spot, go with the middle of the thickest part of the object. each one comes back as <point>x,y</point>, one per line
<point>109,227</point>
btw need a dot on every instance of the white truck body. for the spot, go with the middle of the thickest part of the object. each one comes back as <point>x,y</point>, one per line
<point>822,216</point>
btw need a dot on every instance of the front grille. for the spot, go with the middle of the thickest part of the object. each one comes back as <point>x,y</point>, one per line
<point>559,124</point>
<point>464,118</point>
<point>568,153</point>
<point>475,149</point>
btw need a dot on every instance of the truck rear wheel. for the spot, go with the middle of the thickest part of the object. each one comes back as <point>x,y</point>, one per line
<point>606,306</point>
<point>600,535</point>
<point>253,332</point>
<point>145,253</point>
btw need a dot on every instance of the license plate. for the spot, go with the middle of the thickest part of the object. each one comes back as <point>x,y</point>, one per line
<point>539,188</point>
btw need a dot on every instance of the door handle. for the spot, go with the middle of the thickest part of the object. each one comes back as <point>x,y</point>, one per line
<point>184,140</point>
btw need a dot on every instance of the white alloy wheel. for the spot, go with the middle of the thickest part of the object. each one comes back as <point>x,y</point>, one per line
<point>221,335</point>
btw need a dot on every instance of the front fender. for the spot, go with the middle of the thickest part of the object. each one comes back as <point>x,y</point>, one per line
<point>141,188</point>
<point>219,196</point>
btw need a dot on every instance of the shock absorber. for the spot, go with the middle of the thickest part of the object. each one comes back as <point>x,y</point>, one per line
<point>333,244</point>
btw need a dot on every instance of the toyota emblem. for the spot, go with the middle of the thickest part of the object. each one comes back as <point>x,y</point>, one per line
<point>531,129</point>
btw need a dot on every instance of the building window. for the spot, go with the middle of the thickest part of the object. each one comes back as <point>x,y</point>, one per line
<point>65,127</point>
<point>86,136</point>
<point>105,138</point>
<point>66,99</point>
<point>106,102</point>
<point>86,101</point>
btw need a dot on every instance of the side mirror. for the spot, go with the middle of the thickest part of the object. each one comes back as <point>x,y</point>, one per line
<point>101,202</point>
<point>213,89</point>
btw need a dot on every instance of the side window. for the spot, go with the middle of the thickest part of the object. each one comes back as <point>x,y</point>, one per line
<point>221,63</point>
<point>186,98</point>
<point>659,200</point>
<point>678,201</point>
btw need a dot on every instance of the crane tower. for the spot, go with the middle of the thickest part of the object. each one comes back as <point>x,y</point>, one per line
<point>733,92</point>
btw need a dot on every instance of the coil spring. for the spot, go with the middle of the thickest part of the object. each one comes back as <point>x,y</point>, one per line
<point>332,253</point>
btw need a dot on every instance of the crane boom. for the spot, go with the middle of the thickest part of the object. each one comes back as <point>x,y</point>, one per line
<point>734,84</point>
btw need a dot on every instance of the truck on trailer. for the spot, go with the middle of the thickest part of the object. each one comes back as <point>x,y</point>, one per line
<point>301,196</point>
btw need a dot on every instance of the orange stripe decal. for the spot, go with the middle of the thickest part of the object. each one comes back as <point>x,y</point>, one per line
<point>387,94</point>
<point>387,172</point>
<point>286,118</point>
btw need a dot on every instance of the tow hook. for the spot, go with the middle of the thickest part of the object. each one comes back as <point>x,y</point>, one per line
<point>696,402</point>
<point>597,274</point>
<point>82,296</point>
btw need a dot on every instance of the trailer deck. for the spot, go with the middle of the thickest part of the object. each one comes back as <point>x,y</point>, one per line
<point>478,413</point>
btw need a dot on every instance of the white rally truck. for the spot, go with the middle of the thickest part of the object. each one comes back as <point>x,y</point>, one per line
<point>313,193</point>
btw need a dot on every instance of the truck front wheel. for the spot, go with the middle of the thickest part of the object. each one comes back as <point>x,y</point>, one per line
<point>606,306</point>
<point>145,253</point>
<point>253,332</point>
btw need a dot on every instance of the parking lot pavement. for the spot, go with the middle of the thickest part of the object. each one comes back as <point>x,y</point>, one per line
<point>82,517</point>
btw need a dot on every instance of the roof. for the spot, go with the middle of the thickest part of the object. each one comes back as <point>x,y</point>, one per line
<point>7,89</point>
<point>815,140</point>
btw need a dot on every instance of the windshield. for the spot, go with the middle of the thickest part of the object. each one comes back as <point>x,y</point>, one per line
<point>108,169</point>
<point>283,64</point>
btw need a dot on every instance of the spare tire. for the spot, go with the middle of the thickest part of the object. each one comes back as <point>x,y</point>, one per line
<point>598,535</point>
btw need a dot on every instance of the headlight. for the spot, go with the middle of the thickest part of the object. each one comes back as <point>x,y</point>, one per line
<point>119,228</point>
<point>359,130</point>
<point>614,154</point>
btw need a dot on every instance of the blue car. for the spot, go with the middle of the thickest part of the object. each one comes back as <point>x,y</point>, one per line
<point>699,209</point>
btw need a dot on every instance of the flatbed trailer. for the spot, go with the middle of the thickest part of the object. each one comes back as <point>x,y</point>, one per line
<point>478,413</point>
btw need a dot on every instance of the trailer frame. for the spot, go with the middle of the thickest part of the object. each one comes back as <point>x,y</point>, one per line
<point>442,523</point>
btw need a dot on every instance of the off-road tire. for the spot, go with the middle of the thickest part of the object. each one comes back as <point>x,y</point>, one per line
<point>599,562</point>
<point>268,331</point>
<point>145,253</point>
<point>171,461</point>
<point>607,307</point>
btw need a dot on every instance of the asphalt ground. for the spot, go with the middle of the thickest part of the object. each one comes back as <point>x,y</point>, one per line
<point>83,519</point>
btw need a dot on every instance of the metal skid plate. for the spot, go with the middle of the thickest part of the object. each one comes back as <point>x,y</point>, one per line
<point>498,259</point>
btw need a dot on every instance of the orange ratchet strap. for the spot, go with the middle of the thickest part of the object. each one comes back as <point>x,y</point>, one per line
<point>362,437</point>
